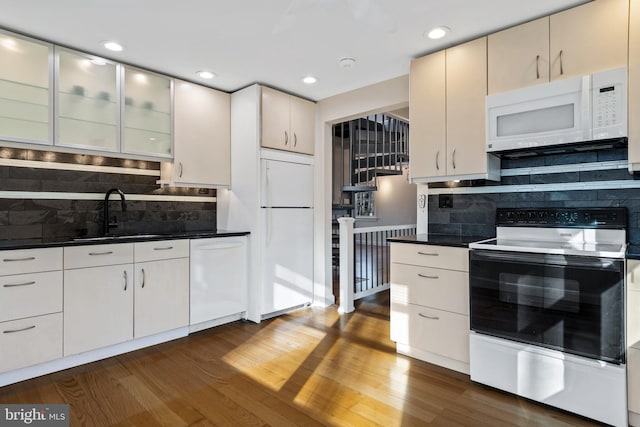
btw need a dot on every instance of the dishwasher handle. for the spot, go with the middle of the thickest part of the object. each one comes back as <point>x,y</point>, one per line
<point>218,246</point>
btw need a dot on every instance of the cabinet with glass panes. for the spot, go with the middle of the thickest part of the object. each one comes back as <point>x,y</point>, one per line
<point>146,113</point>
<point>87,101</point>
<point>25,89</point>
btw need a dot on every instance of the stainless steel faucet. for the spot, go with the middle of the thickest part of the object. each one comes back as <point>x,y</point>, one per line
<point>106,225</point>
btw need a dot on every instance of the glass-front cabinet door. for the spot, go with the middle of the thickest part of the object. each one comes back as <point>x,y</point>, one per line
<point>87,101</point>
<point>25,95</point>
<point>146,113</point>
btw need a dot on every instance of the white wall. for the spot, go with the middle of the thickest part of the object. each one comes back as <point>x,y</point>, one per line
<point>395,202</point>
<point>378,98</point>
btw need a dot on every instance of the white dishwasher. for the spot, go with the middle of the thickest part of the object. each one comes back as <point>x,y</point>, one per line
<point>218,281</point>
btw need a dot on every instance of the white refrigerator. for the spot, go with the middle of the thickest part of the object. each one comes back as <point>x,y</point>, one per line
<point>286,215</point>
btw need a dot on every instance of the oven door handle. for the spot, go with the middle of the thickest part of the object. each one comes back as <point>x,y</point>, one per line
<point>547,259</point>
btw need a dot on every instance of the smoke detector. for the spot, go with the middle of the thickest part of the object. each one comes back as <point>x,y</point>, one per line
<point>347,62</point>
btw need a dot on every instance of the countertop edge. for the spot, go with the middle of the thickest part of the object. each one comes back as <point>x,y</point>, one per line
<point>17,244</point>
<point>438,240</point>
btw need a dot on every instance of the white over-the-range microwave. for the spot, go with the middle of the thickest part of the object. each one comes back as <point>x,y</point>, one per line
<point>569,111</point>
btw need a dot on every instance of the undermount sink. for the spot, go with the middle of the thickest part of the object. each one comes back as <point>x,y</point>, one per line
<point>122,237</point>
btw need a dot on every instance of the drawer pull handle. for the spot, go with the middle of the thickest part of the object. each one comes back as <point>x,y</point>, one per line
<point>15,285</point>
<point>428,253</point>
<point>100,253</point>
<point>428,317</point>
<point>30,258</point>
<point>165,248</point>
<point>13,331</point>
<point>428,277</point>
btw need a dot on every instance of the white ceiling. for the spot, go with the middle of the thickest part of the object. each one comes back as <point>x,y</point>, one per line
<point>275,42</point>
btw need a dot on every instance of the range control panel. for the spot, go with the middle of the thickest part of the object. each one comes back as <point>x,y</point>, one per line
<point>615,218</point>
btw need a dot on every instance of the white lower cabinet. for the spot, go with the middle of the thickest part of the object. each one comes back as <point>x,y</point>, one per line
<point>30,307</point>
<point>633,379</point>
<point>161,297</point>
<point>633,340</point>
<point>30,341</point>
<point>98,307</point>
<point>430,303</point>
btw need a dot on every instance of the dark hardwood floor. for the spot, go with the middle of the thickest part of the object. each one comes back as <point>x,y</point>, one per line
<point>309,368</point>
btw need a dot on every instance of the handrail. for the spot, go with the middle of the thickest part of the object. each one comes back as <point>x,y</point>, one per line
<point>359,230</point>
<point>371,259</point>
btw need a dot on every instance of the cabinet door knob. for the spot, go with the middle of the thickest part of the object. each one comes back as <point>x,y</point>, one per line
<point>29,258</point>
<point>13,331</point>
<point>561,65</point>
<point>14,285</point>
<point>180,170</point>
<point>295,139</point>
<point>142,278</point>
<point>126,280</point>
<point>537,67</point>
<point>437,157</point>
<point>453,158</point>
<point>286,138</point>
<point>428,317</point>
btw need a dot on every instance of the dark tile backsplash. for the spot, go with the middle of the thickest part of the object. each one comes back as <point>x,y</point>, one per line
<point>474,214</point>
<point>54,219</point>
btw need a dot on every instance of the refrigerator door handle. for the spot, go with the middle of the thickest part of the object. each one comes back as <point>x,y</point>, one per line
<point>268,187</point>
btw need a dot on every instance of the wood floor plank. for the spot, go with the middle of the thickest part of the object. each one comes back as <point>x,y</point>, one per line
<point>312,367</point>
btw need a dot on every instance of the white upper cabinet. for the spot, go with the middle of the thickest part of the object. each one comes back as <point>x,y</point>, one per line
<point>288,122</point>
<point>519,56</point>
<point>589,38</point>
<point>202,136</point>
<point>26,98</point>
<point>582,40</point>
<point>87,102</point>
<point>447,108</point>
<point>146,113</point>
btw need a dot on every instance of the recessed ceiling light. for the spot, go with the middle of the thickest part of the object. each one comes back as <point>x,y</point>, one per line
<point>347,62</point>
<point>114,46</point>
<point>309,80</point>
<point>205,74</point>
<point>438,32</point>
<point>98,61</point>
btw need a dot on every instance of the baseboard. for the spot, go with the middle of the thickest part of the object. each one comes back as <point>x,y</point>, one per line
<point>67,362</point>
<point>436,359</point>
<point>216,322</point>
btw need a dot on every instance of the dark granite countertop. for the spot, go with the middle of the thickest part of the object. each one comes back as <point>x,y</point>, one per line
<point>633,251</point>
<point>439,239</point>
<point>141,237</point>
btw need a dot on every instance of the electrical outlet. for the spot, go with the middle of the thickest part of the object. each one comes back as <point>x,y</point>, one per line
<point>445,201</point>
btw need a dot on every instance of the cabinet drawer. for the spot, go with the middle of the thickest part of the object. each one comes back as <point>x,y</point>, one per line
<point>431,256</point>
<point>30,341</point>
<point>633,319</point>
<point>633,379</point>
<point>432,287</point>
<point>26,295</point>
<point>429,329</point>
<point>162,249</point>
<point>97,255</point>
<point>30,261</point>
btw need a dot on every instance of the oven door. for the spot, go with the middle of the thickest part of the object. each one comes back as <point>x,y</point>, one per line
<point>564,302</point>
